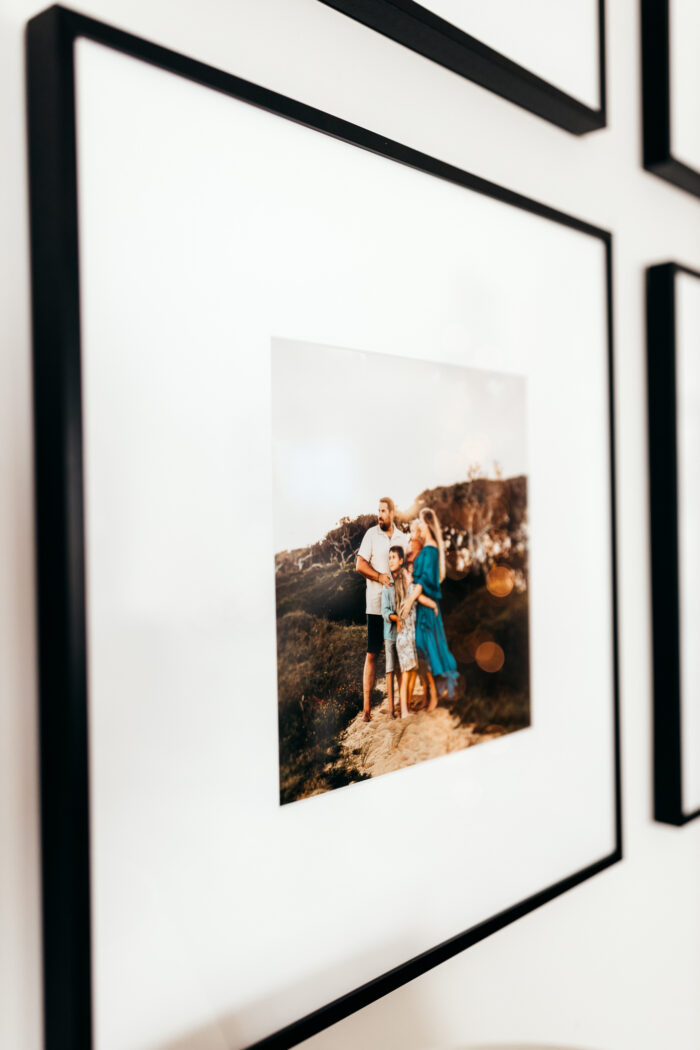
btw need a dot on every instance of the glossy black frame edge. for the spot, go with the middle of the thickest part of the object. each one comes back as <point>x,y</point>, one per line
<point>59,536</point>
<point>663,511</point>
<point>419,29</point>
<point>656,101</point>
<point>59,512</point>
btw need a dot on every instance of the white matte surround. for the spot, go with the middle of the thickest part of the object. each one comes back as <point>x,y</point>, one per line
<point>688,451</point>
<point>557,40</point>
<point>208,227</point>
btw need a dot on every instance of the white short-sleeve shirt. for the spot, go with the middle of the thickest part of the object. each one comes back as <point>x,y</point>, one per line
<point>375,549</point>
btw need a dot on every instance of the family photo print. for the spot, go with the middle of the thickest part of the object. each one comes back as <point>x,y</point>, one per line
<point>401,564</point>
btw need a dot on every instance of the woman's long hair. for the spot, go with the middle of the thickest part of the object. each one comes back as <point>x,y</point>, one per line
<point>415,541</point>
<point>430,518</point>
<point>401,588</point>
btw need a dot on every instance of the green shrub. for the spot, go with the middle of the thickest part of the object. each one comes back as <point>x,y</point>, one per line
<point>333,592</point>
<point>319,677</point>
<point>491,698</point>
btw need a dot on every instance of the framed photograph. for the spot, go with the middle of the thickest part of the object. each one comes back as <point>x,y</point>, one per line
<point>671,91</point>
<point>326,556</point>
<point>673,326</point>
<point>474,530</point>
<point>546,56</point>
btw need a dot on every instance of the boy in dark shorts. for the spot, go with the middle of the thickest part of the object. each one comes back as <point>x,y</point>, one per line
<point>397,556</point>
<point>373,564</point>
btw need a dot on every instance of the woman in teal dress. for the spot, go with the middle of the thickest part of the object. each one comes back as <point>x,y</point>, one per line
<point>428,573</point>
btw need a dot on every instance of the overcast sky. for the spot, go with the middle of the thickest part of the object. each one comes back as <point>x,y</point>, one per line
<point>349,427</point>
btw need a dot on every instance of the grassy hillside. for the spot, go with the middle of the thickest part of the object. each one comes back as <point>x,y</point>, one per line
<point>321,635</point>
<point>336,592</point>
<point>320,691</point>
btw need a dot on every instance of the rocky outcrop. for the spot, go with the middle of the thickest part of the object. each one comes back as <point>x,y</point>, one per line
<point>484,521</point>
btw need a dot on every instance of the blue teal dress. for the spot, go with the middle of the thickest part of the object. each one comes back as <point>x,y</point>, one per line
<point>431,642</point>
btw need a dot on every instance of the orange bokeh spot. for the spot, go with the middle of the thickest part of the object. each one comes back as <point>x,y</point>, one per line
<point>499,581</point>
<point>465,648</point>
<point>490,657</point>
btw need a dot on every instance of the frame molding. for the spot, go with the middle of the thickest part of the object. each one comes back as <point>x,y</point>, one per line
<point>663,499</point>
<point>64,789</point>
<point>656,100</point>
<point>60,522</point>
<point>416,27</point>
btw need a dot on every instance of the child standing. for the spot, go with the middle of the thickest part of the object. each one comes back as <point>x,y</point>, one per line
<point>391,625</point>
<point>400,635</point>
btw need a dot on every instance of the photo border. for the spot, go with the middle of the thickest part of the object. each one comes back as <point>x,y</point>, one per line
<point>352,357</point>
<point>63,701</point>
<point>663,511</point>
<point>656,101</point>
<point>421,30</point>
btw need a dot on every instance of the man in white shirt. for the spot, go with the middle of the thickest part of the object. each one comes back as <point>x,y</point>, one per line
<point>373,564</point>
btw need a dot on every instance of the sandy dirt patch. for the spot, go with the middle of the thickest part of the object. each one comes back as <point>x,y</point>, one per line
<point>385,743</point>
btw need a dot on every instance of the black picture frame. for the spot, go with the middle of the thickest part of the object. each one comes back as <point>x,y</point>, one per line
<point>656,101</point>
<point>63,700</point>
<point>416,27</point>
<point>663,496</point>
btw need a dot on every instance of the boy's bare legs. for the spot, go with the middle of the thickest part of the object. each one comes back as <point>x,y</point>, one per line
<point>400,689</point>
<point>390,692</point>
<point>368,677</point>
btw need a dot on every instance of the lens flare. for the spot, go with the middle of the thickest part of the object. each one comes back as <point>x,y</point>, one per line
<point>490,657</point>
<point>465,648</point>
<point>500,581</point>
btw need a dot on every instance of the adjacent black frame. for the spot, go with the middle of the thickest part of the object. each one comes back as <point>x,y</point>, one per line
<point>63,701</point>
<point>656,100</point>
<point>418,28</point>
<point>663,498</point>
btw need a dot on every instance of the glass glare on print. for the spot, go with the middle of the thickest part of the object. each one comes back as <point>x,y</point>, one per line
<point>374,451</point>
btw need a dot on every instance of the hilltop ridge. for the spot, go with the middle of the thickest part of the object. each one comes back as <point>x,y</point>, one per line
<point>483,519</point>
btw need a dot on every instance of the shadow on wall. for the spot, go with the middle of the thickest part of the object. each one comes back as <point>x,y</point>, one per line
<point>236,1031</point>
<point>222,1035</point>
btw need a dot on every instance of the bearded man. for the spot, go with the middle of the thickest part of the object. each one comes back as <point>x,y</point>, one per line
<point>373,564</point>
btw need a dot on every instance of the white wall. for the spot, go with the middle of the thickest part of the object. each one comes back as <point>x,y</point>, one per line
<point>615,964</point>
